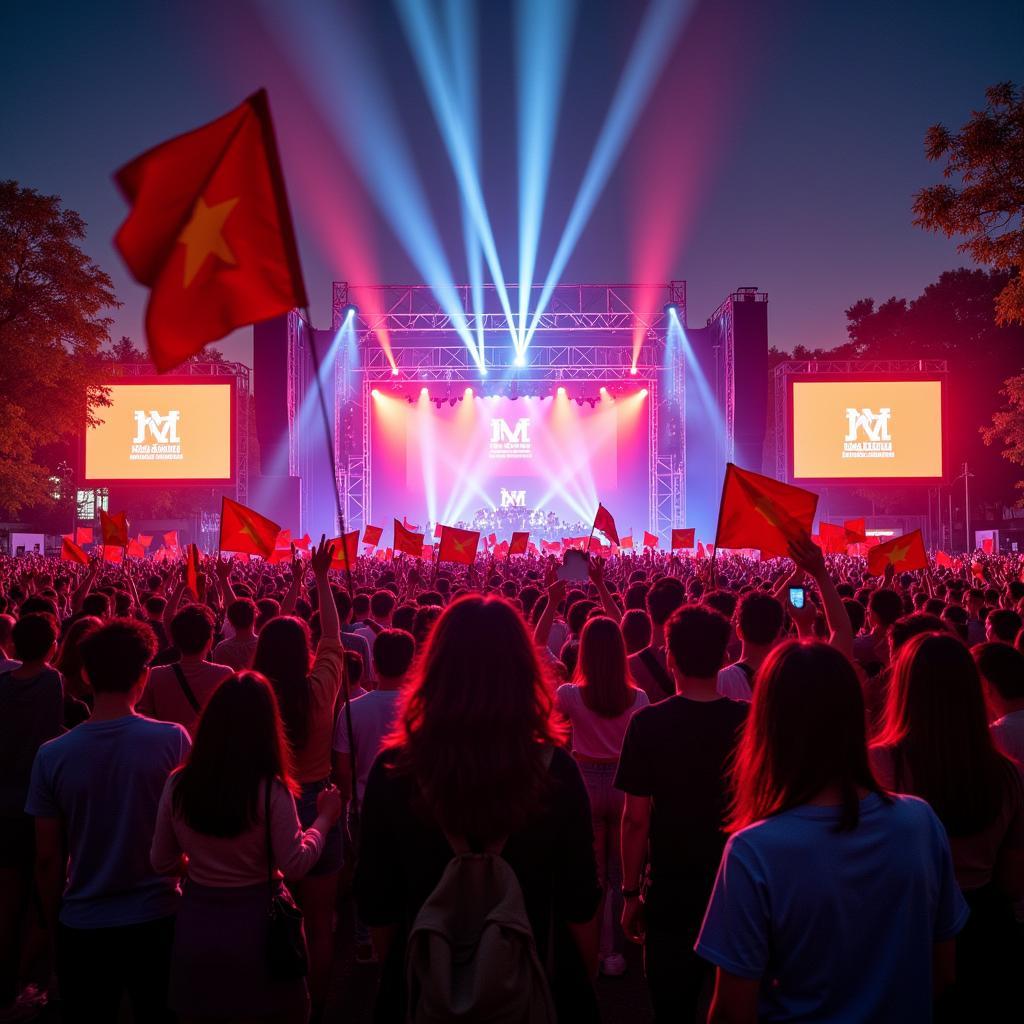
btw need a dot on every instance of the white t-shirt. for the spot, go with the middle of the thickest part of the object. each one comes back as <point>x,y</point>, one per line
<point>593,735</point>
<point>373,715</point>
<point>734,683</point>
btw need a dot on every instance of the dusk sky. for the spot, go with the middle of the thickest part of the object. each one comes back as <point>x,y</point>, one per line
<point>780,146</point>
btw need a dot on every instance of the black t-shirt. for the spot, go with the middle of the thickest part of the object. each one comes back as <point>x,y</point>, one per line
<point>676,752</point>
<point>402,856</point>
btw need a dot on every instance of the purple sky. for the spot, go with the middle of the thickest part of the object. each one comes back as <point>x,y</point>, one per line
<point>794,129</point>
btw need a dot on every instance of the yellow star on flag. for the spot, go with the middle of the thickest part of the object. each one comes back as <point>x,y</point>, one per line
<point>897,554</point>
<point>459,545</point>
<point>203,236</point>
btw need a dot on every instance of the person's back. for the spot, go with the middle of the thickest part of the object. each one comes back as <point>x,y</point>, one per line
<point>96,789</point>
<point>649,667</point>
<point>239,650</point>
<point>852,915</point>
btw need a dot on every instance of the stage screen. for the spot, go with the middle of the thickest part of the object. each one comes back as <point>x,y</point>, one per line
<point>844,429</point>
<point>163,431</point>
<point>548,456</point>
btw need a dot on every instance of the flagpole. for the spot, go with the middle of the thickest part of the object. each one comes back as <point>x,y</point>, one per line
<point>329,442</point>
<point>718,524</point>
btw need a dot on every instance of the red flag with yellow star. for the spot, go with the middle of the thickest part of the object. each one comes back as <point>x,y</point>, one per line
<point>71,552</point>
<point>210,233</point>
<point>458,545</point>
<point>406,541</point>
<point>902,553</point>
<point>759,512</point>
<point>242,529</point>
<point>114,527</point>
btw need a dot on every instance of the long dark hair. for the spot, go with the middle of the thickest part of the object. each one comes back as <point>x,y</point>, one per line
<point>284,656</point>
<point>805,732</point>
<point>936,728</point>
<point>69,660</point>
<point>601,669</point>
<point>239,743</point>
<point>474,720</point>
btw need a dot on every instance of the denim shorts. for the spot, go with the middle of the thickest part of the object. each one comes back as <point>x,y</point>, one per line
<point>333,854</point>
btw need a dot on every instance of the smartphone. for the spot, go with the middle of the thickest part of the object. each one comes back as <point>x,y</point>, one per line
<point>797,596</point>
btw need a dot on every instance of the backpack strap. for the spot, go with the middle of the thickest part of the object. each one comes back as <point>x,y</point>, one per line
<point>185,688</point>
<point>657,670</point>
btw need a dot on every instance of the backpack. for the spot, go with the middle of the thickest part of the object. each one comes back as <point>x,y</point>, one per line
<point>471,954</point>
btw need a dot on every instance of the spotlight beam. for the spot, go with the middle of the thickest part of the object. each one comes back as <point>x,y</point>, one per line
<point>543,33</point>
<point>650,50</point>
<point>426,49</point>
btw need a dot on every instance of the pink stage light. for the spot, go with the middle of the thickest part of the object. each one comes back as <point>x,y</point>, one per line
<point>632,370</point>
<point>643,392</point>
<point>375,392</point>
<point>561,392</point>
<point>424,392</point>
<point>468,393</point>
<point>394,370</point>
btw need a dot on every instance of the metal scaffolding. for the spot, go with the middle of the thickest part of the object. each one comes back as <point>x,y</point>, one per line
<point>588,333</point>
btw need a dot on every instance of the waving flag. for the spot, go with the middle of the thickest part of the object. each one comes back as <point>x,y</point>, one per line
<point>520,543</point>
<point>411,527</point>
<point>346,547</point>
<point>855,530</point>
<point>135,549</point>
<point>242,529</point>
<point>407,541</point>
<point>144,540</point>
<point>626,543</point>
<point>943,561</point>
<point>192,568</point>
<point>902,553</point>
<point>650,540</point>
<point>458,545</point>
<point>71,552</point>
<point>83,534</point>
<point>683,538</point>
<point>604,522</point>
<point>833,538</point>
<point>112,553</point>
<point>759,512</point>
<point>171,539</point>
<point>302,543</point>
<point>372,535</point>
<point>209,233</point>
<point>114,527</point>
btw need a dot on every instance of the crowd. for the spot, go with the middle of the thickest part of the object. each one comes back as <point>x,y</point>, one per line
<point>798,786</point>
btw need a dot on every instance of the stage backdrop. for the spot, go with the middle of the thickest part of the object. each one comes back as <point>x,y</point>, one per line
<point>444,464</point>
<point>175,431</point>
<point>848,429</point>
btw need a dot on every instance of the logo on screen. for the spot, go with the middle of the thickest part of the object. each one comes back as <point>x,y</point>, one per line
<point>867,434</point>
<point>513,499</point>
<point>156,437</point>
<point>162,429</point>
<point>510,442</point>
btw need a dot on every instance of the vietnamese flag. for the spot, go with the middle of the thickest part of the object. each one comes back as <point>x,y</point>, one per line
<point>83,535</point>
<point>987,545</point>
<point>492,539</point>
<point>112,553</point>
<point>650,540</point>
<point>302,543</point>
<point>759,512</point>
<point>437,531</point>
<point>604,522</point>
<point>346,550</point>
<point>855,530</point>
<point>407,541</point>
<point>627,543</point>
<point>209,232</point>
<point>552,547</point>
<point>171,538</point>
<point>192,568</point>
<point>595,547</point>
<point>458,545</point>
<point>412,527</point>
<point>372,535</point>
<point>114,528</point>
<point>242,529</point>
<point>902,553</point>
<point>284,539</point>
<point>683,538</point>
<point>519,544</point>
<point>942,560</point>
<point>71,552</point>
<point>833,538</point>
<point>144,540</point>
<point>701,551</point>
<point>136,550</point>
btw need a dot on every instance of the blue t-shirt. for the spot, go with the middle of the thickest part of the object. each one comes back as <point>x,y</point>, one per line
<point>840,925</point>
<point>104,780</point>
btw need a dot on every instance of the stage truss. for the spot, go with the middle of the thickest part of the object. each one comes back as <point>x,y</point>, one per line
<point>586,335</point>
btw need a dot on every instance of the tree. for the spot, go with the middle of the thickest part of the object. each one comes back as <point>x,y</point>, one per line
<point>124,351</point>
<point>53,300</point>
<point>1008,423</point>
<point>988,156</point>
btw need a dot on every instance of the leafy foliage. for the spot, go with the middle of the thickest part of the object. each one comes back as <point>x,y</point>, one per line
<point>1007,426</point>
<point>987,154</point>
<point>53,300</point>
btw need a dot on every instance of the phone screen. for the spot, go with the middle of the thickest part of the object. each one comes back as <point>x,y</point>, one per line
<point>796,597</point>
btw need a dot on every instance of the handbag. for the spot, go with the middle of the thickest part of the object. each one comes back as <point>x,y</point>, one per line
<point>287,958</point>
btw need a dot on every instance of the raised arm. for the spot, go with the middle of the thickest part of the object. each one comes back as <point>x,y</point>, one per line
<point>292,594</point>
<point>83,588</point>
<point>320,561</point>
<point>556,595</point>
<point>596,569</point>
<point>808,557</point>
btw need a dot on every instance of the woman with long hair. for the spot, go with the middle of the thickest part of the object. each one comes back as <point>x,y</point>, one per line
<point>833,899</point>
<point>214,811</point>
<point>306,685</point>
<point>935,743</point>
<point>474,761</point>
<point>68,661</point>
<point>598,704</point>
